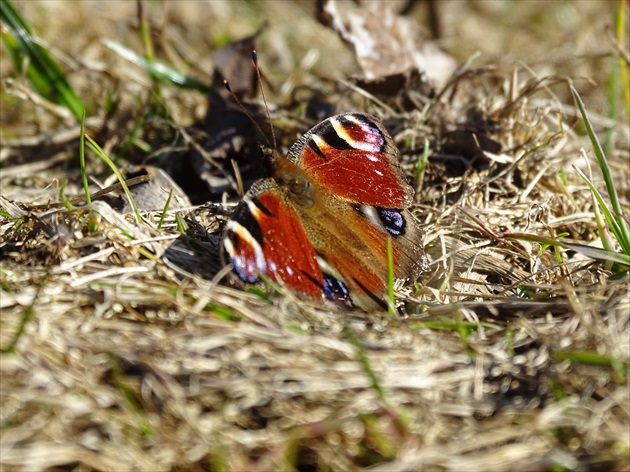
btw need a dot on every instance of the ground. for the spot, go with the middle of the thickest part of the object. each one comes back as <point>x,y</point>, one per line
<point>123,345</point>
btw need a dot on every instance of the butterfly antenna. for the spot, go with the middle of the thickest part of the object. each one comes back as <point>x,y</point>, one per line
<point>248,114</point>
<point>262,92</point>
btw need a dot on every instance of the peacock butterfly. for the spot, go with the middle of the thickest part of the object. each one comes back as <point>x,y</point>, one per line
<point>320,224</point>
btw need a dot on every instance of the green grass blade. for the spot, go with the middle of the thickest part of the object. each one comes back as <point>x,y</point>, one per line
<point>589,251</point>
<point>604,234</point>
<point>613,106</point>
<point>597,147</point>
<point>164,210</point>
<point>42,70</point>
<point>447,324</point>
<point>599,253</point>
<point>591,358</point>
<point>145,33</point>
<point>133,135</point>
<point>182,226</point>
<point>608,216</point>
<point>422,162</point>
<point>391,305</point>
<point>130,397</point>
<point>620,31</point>
<point>624,231</point>
<point>144,28</point>
<point>62,196</point>
<point>84,179</point>
<point>156,69</point>
<point>365,362</point>
<point>27,314</point>
<point>105,158</point>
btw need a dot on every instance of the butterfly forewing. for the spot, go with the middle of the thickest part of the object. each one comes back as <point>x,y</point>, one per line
<point>353,157</point>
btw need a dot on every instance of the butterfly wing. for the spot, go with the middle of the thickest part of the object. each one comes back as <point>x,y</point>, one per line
<point>353,157</point>
<point>360,199</point>
<point>321,224</point>
<point>265,236</point>
<point>350,243</point>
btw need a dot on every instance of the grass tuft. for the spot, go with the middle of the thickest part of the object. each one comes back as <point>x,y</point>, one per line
<point>105,158</point>
<point>29,55</point>
<point>614,215</point>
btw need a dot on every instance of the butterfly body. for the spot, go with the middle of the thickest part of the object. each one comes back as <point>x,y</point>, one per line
<point>320,224</point>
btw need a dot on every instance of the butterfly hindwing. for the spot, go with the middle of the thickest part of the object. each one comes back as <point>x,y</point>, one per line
<point>351,244</point>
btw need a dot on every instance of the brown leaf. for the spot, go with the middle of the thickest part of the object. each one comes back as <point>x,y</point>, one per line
<point>227,140</point>
<point>234,64</point>
<point>151,195</point>
<point>387,43</point>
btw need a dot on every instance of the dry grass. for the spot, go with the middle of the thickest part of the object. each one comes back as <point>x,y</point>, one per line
<point>121,351</point>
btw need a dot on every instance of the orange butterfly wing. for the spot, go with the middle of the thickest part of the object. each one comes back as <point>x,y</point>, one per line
<point>321,224</point>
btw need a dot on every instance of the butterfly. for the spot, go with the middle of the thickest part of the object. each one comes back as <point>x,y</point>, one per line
<point>320,224</point>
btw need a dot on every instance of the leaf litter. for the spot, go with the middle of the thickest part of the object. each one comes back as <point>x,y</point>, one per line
<point>123,348</point>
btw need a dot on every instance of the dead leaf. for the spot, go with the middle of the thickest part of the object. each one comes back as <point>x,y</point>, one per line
<point>228,159</point>
<point>150,195</point>
<point>386,43</point>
